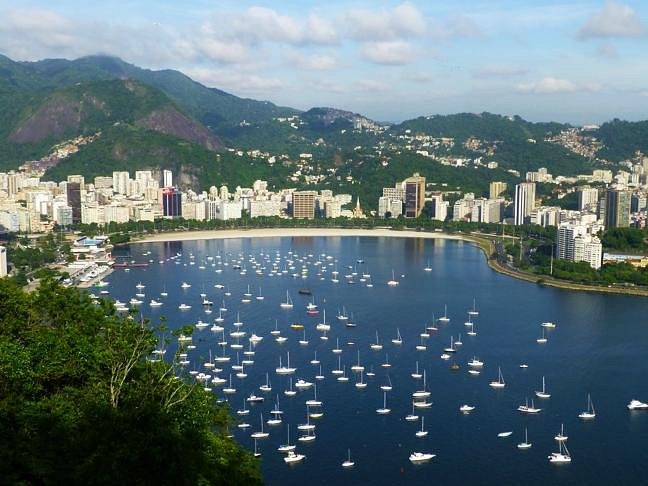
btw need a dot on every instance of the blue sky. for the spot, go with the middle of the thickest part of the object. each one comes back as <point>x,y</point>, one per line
<point>577,61</point>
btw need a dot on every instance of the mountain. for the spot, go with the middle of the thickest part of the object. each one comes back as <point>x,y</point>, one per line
<point>213,107</point>
<point>34,123</point>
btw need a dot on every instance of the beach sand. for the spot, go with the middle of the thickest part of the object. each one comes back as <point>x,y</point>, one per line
<point>289,232</point>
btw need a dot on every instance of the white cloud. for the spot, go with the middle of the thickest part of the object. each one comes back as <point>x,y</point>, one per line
<point>234,80</point>
<point>374,86</point>
<point>457,26</point>
<point>614,20</point>
<point>550,85</point>
<point>392,53</point>
<point>496,71</point>
<point>402,21</point>
<point>314,62</point>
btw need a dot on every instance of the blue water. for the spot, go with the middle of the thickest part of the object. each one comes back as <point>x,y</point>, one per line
<point>600,347</point>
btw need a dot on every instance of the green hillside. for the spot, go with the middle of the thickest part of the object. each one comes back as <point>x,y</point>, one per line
<point>622,139</point>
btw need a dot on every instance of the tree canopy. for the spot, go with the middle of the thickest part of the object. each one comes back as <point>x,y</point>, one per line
<point>80,403</point>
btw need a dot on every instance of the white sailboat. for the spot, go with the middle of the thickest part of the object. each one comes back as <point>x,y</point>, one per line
<point>261,434</point>
<point>526,444</point>
<point>285,370</point>
<point>422,432</point>
<point>412,417</point>
<point>590,413</point>
<point>428,267</point>
<point>376,346</point>
<point>444,319</point>
<point>562,456</point>
<point>529,409</point>
<point>384,410</point>
<point>348,463</point>
<point>500,380</point>
<point>287,447</point>
<point>561,435</point>
<point>288,304</point>
<point>398,340</point>
<point>416,375</point>
<point>543,393</point>
<point>361,384</point>
<point>393,282</point>
<point>543,339</point>
<point>474,311</point>
<point>357,367</point>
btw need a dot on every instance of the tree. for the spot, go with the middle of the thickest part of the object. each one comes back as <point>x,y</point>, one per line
<point>80,403</point>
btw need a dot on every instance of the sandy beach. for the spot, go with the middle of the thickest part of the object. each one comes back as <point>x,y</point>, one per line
<point>290,232</point>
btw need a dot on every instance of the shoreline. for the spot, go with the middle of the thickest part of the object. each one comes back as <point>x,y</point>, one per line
<point>485,244</point>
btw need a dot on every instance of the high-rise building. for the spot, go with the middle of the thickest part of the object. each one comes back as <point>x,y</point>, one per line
<point>167,178</point>
<point>171,202</point>
<point>303,204</point>
<point>439,207</point>
<point>524,202</point>
<point>576,244</point>
<point>77,178</point>
<point>638,202</point>
<point>617,208</point>
<point>414,195</point>
<point>74,200</point>
<point>496,189</point>
<point>587,198</point>
<point>3,262</point>
<point>121,182</point>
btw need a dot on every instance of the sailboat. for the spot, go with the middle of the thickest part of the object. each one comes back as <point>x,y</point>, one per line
<point>423,392</point>
<point>260,296</point>
<point>561,435</point>
<point>543,393</point>
<point>471,331</point>
<point>376,346</point>
<point>261,434</point>
<point>285,370</point>
<point>422,432</point>
<point>304,341</point>
<point>590,413</point>
<point>388,386</point>
<point>450,349</point>
<point>256,451</point>
<point>337,349</point>
<point>314,402</point>
<point>290,392</point>
<point>428,267</point>
<point>393,282</point>
<point>562,456</point>
<point>416,375</point>
<point>361,384</point>
<point>357,367</point>
<point>412,417</point>
<point>266,387</point>
<point>500,380</point>
<point>474,311</point>
<point>323,326</point>
<point>543,339</point>
<point>526,444</point>
<point>342,316</point>
<point>398,340</point>
<point>526,409</point>
<point>445,319</point>
<point>287,447</point>
<point>348,462</point>
<point>384,410</point>
<point>288,303</point>
<point>315,361</point>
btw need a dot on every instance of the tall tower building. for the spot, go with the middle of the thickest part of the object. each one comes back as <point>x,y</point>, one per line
<point>587,198</point>
<point>414,195</point>
<point>524,202</point>
<point>303,204</point>
<point>496,188</point>
<point>617,208</point>
<point>167,178</point>
<point>171,202</point>
<point>74,200</point>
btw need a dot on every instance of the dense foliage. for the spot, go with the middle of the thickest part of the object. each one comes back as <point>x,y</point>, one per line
<point>625,240</point>
<point>623,138</point>
<point>81,404</point>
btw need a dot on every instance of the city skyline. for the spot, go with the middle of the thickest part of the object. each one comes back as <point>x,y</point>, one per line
<point>549,60</point>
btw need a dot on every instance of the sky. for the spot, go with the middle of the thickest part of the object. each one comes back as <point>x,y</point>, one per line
<point>569,61</point>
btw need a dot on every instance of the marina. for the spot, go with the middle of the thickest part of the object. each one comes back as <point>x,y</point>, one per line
<point>584,355</point>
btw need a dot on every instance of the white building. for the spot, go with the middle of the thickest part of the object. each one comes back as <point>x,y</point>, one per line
<point>439,207</point>
<point>228,210</point>
<point>587,199</point>
<point>575,243</point>
<point>265,208</point>
<point>167,178</point>
<point>121,182</point>
<point>524,202</point>
<point>3,262</point>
